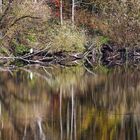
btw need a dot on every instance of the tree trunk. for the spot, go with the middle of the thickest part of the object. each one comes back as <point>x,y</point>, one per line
<point>1,2</point>
<point>61,12</point>
<point>73,11</point>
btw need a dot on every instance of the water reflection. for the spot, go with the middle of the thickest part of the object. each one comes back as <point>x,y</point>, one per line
<point>56,103</point>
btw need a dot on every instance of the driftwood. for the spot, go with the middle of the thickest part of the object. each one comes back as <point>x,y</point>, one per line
<point>43,57</point>
<point>109,55</point>
<point>114,55</point>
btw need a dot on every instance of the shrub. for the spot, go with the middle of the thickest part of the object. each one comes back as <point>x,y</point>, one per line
<point>19,49</point>
<point>67,38</point>
<point>98,41</point>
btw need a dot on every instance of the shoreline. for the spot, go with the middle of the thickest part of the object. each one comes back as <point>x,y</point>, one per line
<point>108,55</point>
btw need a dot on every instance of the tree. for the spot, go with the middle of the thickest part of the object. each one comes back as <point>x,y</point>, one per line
<point>61,12</point>
<point>75,3</point>
<point>1,2</point>
<point>73,11</point>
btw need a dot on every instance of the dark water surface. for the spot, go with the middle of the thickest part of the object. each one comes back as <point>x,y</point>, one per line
<point>54,103</point>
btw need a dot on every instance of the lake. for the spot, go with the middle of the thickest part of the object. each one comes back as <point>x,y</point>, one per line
<point>70,103</point>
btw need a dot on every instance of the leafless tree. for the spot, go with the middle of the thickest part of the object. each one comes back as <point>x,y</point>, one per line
<point>73,11</point>
<point>61,12</point>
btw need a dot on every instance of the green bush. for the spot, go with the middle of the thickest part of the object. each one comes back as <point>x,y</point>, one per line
<point>98,41</point>
<point>19,49</point>
<point>32,38</point>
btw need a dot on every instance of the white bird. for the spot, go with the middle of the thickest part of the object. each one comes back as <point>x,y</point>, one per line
<point>31,50</point>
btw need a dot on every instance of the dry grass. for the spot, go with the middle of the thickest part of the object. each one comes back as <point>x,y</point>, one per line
<point>67,38</point>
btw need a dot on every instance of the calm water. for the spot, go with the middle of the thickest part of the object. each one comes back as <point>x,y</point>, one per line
<point>54,103</point>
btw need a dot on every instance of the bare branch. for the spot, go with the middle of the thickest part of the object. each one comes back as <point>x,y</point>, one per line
<point>21,18</point>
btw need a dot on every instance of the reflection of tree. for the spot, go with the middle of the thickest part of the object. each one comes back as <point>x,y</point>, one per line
<point>101,109</point>
<point>22,113</point>
<point>69,104</point>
